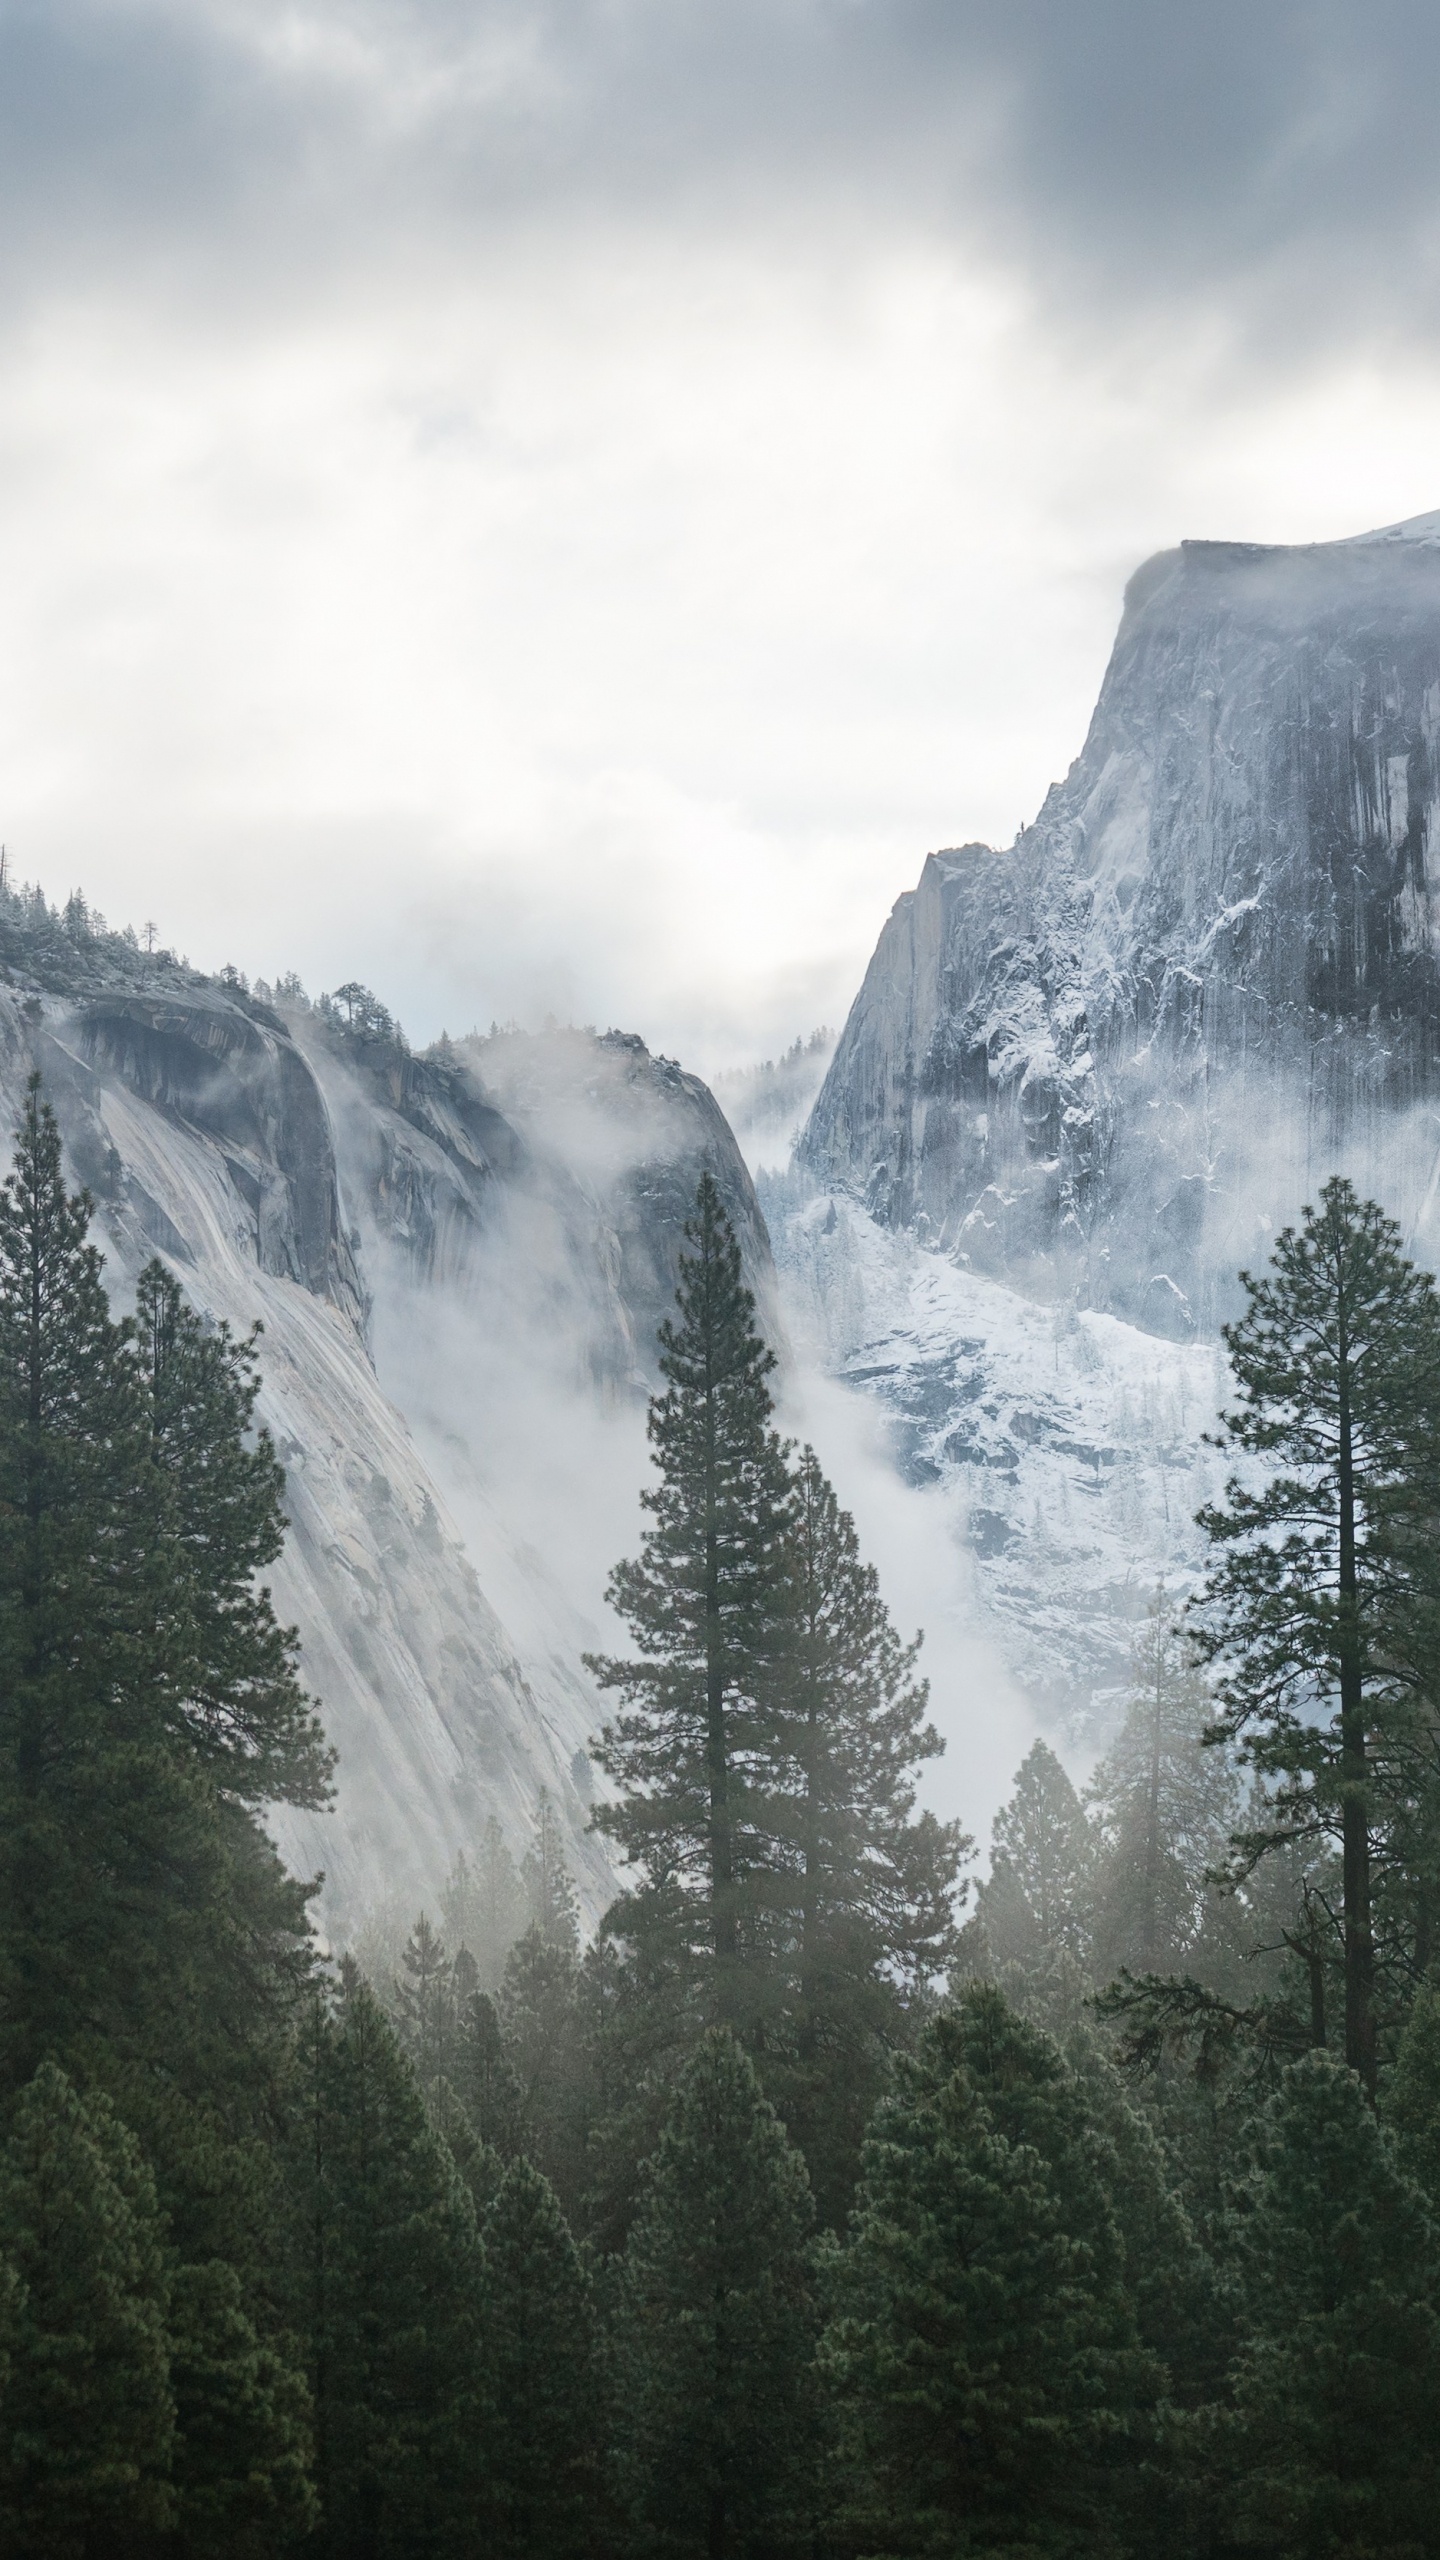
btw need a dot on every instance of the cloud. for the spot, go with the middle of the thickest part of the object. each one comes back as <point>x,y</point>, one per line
<point>1117,151</point>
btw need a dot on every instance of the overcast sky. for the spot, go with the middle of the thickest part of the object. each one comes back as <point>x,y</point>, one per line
<point>559,507</point>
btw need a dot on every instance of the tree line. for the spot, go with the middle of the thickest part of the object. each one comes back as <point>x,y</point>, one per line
<point>798,2211</point>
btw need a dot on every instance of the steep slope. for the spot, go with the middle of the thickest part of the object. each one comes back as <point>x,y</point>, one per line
<point>1095,1064</point>
<point>400,1235</point>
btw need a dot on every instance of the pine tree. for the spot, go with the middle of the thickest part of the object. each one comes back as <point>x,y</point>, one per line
<point>423,2006</point>
<point>539,2389</point>
<point>1166,1808</point>
<point>539,2009</point>
<point>482,1905</point>
<point>87,2423</point>
<point>235,1692</point>
<point>707,1604</point>
<point>871,1882</point>
<point>1412,2095</point>
<point>1337,2385</point>
<point>1037,1902</point>
<point>1320,1577</point>
<point>78,1584</point>
<point>983,2348</point>
<point>547,1883</point>
<point>716,2329</point>
<point>243,2436</point>
<point>484,2077</point>
<point>388,2259</point>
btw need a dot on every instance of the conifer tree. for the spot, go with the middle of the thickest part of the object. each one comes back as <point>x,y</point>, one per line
<point>482,1905</point>
<point>539,2010</point>
<point>389,2266</point>
<point>243,2438</point>
<point>423,2006</point>
<point>1319,1576</point>
<point>232,1668</point>
<point>484,2077</point>
<point>716,2325</point>
<point>870,1881</point>
<point>693,1748</point>
<point>1165,1807</point>
<point>1037,1902</point>
<point>983,2347</point>
<point>540,2411</point>
<point>87,2422</point>
<point>547,1883</point>
<point>1337,2384</point>
<point>1412,2095</point>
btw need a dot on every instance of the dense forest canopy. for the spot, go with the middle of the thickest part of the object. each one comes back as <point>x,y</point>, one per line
<point>811,2207</point>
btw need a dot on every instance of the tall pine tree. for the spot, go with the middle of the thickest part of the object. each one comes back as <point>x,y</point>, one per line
<point>692,1749</point>
<point>870,1881</point>
<point>540,2405</point>
<point>1322,1572</point>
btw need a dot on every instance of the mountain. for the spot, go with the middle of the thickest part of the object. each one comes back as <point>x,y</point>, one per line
<point>1096,1063</point>
<point>459,1261</point>
<point>1087,1077</point>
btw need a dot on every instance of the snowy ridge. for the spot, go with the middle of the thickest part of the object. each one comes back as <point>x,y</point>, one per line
<point>1075,1440</point>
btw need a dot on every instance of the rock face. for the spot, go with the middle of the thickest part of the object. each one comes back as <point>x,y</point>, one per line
<point>1095,1064</point>
<point>407,1229</point>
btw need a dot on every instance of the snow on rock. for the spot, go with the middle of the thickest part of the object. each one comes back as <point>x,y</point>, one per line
<point>1075,1440</point>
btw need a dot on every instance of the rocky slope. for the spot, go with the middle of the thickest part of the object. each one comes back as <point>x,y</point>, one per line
<point>1087,1077</point>
<point>1095,1063</point>
<point>459,1261</point>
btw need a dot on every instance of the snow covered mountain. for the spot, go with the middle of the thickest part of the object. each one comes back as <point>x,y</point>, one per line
<point>1088,1077</point>
<point>1097,1062</point>
<point>459,1261</point>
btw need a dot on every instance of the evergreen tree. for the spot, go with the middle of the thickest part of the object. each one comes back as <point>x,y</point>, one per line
<point>539,2011</point>
<point>87,2422</point>
<point>707,1603</point>
<point>232,1674</point>
<point>1412,2095</point>
<point>78,1583</point>
<point>871,1881</point>
<point>243,2440</point>
<point>1037,1903</point>
<point>547,1883</point>
<point>1316,1574</point>
<point>983,2348</point>
<point>423,2006</point>
<point>539,2399</point>
<point>387,2243</point>
<point>482,1905</point>
<point>716,2325</point>
<point>485,2080</point>
<point>1337,2385</point>
<point>1166,1808</point>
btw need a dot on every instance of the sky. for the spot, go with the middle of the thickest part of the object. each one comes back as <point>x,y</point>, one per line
<point>556,506</point>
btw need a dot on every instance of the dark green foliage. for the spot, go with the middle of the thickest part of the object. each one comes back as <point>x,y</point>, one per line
<point>387,2291</point>
<point>484,2078</point>
<point>423,2007</point>
<point>87,2420</point>
<point>716,2325</point>
<point>1037,1904</point>
<point>706,1601</point>
<point>870,1880</point>
<point>983,2347</point>
<point>1337,2384</point>
<point>539,2009</point>
<point>1324,1581</point>
<point>243,2442</point>
<point>541,2412</point>
<point>1412,2094</point>
<point>234,1693</point>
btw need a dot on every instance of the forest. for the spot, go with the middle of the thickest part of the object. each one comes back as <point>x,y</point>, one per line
<point>825,2202</point>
